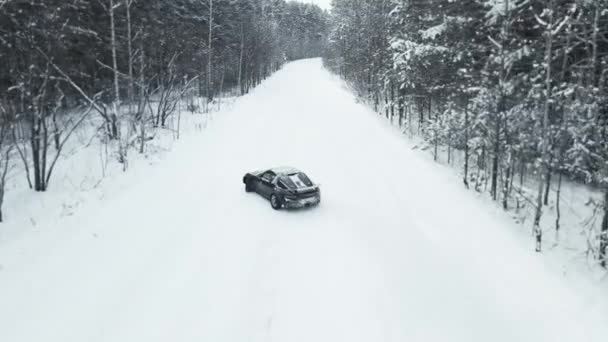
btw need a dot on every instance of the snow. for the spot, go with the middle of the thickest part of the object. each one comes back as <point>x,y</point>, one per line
<point>498,8</point>
<point>285,170</point>
<point>324,4</point>
<point>432,32</point>
<point>397,250</point>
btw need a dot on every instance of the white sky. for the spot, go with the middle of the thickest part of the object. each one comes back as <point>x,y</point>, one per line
<point>325,4</point>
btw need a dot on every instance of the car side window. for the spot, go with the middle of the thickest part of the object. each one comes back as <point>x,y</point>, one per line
<point>268,176</point>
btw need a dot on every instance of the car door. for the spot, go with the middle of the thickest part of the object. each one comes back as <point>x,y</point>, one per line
<point>265,186</point>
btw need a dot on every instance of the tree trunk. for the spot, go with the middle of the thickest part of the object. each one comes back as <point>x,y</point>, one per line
<point>501,100</point>
<point>466,144</point>
<point>7,156</point>
<point>449,148</point>
<point>210,52</point>
<point>222,80</point>
<point>507,181</point>
<point>114,58</point>
<point>131,88</point>
<point>435,129</point>
<point>1,202</point>
<point>44,152</point>
<point>495,157</point>
<point>392,101</point>
<point>23,155</point>
<point>604,233</point>
<point>481,165</point>
<point>36,146</point>
<point>116,104</point>
<point>522,172</point>
<point>401,108</point>
<point>56,132</point>
<point>512,169</point>
<point>558,212</point>
<point>435,144</point>
<point>377,103</point>
<point>242,51</point>
<point>545,122</point>
<point>386,109</point>
<point>594,43</point>
<point>421,113</point>
<point>143,99</point>
<point>547,185</point>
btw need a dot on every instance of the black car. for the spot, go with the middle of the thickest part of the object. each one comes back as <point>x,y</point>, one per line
<point>285,187</point>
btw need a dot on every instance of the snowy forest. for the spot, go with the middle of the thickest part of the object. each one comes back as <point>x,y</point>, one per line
<point>303,170</point>
<point>127,64</point>
<point>511,90</point>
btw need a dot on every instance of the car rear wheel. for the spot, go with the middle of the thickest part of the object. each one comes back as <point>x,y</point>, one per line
<point>275,202</point>
<point>248,186</point>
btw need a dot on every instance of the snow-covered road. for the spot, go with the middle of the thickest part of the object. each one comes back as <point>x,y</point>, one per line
<point>397,251</point>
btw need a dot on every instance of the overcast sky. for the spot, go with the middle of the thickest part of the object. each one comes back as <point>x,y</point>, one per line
<point>326,4</point>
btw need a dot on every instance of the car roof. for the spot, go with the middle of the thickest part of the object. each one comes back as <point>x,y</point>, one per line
<point>285,170</point>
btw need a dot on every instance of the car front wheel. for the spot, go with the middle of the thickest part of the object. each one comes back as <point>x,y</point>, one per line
<point>275,202</point>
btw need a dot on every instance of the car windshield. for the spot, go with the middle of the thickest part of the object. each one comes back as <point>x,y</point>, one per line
<point>296,181</point>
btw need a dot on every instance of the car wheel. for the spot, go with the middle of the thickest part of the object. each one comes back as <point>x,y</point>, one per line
<point>248,186</point>
<point>275,202</point>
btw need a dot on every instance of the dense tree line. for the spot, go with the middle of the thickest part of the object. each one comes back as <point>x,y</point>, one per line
<point>517,87</point>
<point>129,62</point>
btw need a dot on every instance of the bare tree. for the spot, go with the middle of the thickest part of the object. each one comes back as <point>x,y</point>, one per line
<point>241,55</point>
<point>131,89</point>
<point>552,28</point>
<point>44,127</point>
<point>144,98</point>
<point>210,53</point>
<point>6,148</point>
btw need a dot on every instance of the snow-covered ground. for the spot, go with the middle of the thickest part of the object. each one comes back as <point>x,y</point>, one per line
<point>88,169</point>
<point>573,250</point>
<point>397,251</point>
